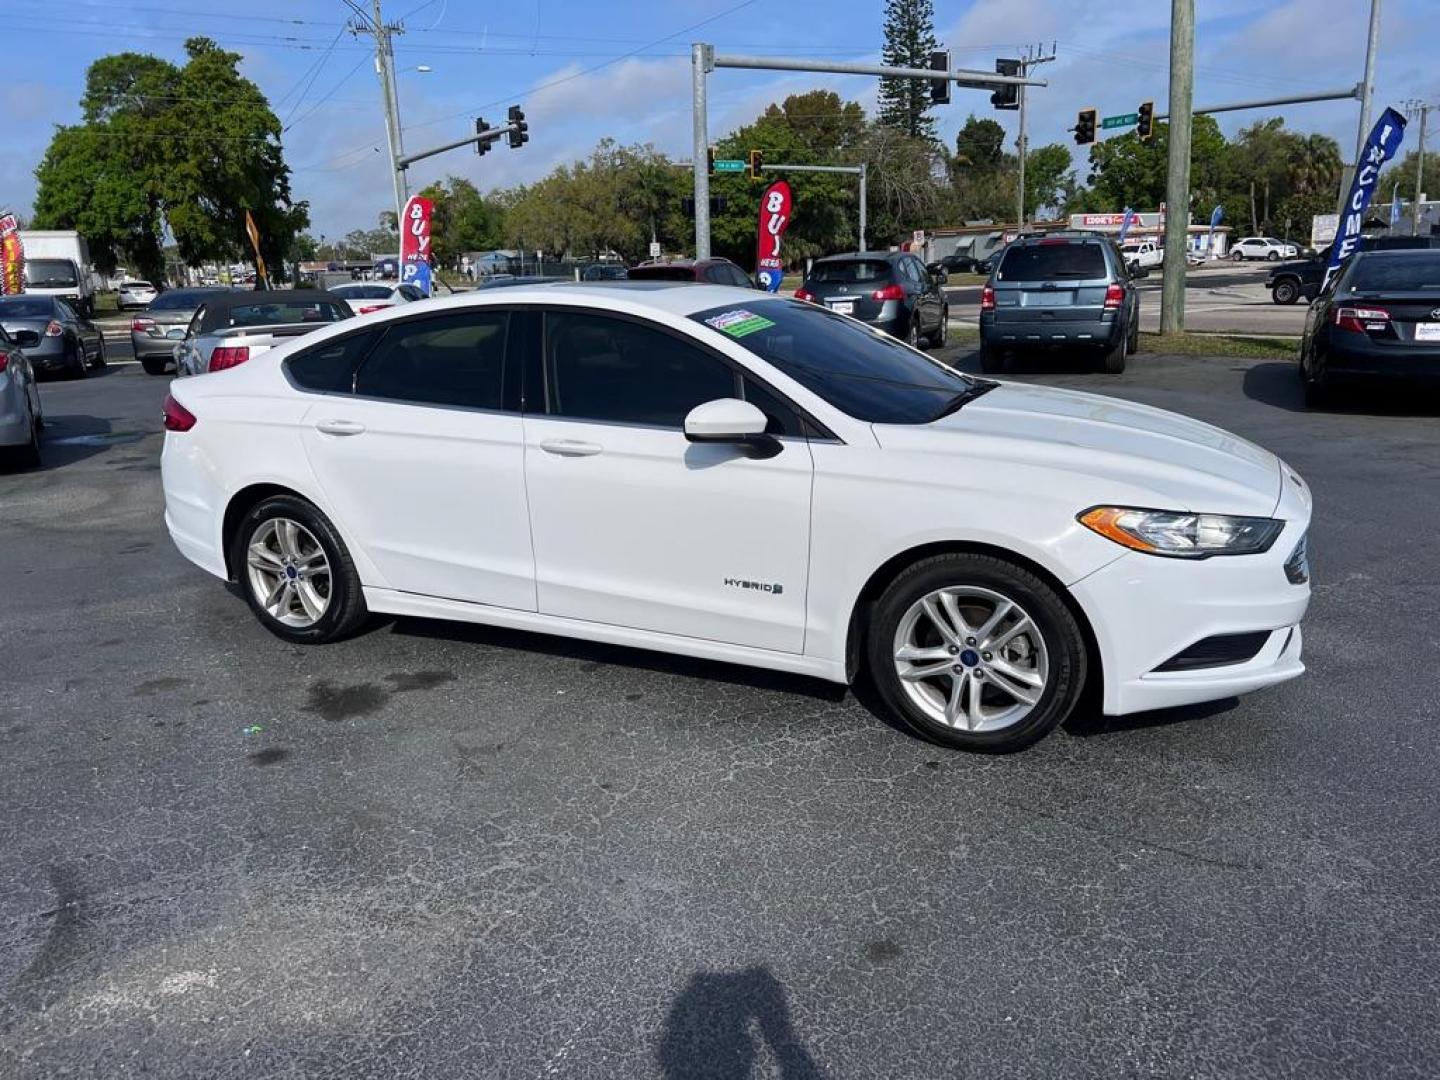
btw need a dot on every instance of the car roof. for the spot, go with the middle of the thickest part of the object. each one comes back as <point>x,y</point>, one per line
<point>862,256</point>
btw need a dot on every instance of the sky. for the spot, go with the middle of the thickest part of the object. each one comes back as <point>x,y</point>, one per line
<point>587,69</point>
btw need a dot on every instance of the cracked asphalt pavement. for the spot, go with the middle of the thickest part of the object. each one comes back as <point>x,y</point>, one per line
<point>449,851</point>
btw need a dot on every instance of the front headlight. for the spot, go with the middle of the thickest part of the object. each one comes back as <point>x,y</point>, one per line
<point>1180,534</point>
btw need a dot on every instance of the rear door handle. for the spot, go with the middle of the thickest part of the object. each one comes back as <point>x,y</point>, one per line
<point>570,447</point>
<point>340,427</point>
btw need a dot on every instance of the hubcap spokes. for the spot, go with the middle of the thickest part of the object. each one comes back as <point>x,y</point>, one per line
<point>289,573</point>
<point>971,658</point>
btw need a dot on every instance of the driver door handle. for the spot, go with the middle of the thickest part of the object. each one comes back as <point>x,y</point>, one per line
<point>340,427</point>
<point>570,447</point>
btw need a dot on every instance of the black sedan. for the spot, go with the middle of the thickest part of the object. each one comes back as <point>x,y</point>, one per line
<point>1378,320</point>
<point>53,335</point>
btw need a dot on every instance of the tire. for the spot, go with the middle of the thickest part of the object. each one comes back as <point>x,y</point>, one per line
<point>912,335</point>
<point>1318,393</point>
<point>1285,291</point>
<point>942,332</point>
<point>1135,332</point>
<point>336,589</point>
<point>28,456</point>
<point>1113,359</point>
<point>1237,256</point>
<point>79,366</point>
<point>153,365</point>
<point>992,360</point>
<point>1049,657</point>
<point>1273,256</point>
<point>100,360</point>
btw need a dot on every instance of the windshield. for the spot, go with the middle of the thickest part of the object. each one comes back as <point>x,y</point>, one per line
<point>49,273</point>
<point>279,314</point>
<point>1051,259</point>
<point>1405,273</point>
<point>863,372</point>
<point>181,299</point>
<point>20,307</point>
<point>849,273</point>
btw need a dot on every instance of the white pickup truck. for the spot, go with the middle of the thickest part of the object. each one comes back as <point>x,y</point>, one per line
<point>1142,253</point>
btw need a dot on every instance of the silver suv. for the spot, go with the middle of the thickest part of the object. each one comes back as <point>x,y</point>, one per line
<point>1073,292</point>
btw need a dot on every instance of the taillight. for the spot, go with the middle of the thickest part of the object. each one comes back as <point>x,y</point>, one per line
<point>177,417</point>
<point>54,329</point>
<point>889,292</point>
<point>228,356</point>
<point>801,294</point>
<point>987,298</point>
<point>4,361</point>
<point>1114,296</point>
<point>142,325</point>
<point>1362,319</point>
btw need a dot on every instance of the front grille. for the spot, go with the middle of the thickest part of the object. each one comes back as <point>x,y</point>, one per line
<point>1218,651</point>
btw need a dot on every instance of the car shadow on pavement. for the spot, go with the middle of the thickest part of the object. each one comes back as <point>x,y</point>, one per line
<point>619,655</point>
<point>723,1022</point>
<point>69,439</point>
<point>1278,384</point>
<point>1087,721</point>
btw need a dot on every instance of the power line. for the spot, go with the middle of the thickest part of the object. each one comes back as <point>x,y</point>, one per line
<point>318,67</point>
<point>343,80</point>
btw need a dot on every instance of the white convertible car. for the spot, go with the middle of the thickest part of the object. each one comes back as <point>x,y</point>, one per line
<point>701,470</point>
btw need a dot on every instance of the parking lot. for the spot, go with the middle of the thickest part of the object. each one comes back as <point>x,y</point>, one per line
<point>441,850</point>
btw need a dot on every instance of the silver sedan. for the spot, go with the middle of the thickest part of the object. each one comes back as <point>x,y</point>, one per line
<point>21,416</point>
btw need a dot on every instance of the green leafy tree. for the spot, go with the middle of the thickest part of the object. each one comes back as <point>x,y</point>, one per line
<point>462,220</point>
<point>909,41</point>
<point>187,149</point>
<point>1050,182</point>
<point>1127,172</point>
<point>1402,172</point>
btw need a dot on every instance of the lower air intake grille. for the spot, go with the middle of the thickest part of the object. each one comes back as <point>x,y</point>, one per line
<point>1218,651</point>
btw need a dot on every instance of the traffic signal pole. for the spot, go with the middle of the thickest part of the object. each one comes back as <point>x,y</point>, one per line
<point>1177,186</point>
<point>704,60</point>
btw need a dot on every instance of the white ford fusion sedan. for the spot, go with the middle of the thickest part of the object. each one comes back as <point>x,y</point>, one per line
<point>707,471</point>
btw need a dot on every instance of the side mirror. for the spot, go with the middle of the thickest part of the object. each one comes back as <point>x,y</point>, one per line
<point>730,420</point>
<point>27,339</point>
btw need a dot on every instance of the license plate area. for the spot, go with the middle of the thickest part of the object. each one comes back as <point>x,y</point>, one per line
<point>1427,331</point>
<point>843,307</point>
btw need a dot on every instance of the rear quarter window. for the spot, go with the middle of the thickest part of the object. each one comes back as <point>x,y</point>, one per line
<point>1048,262</point>
<point>330,368</point>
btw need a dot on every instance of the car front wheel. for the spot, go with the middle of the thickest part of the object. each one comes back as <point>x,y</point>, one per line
<point>1237,256</point>
<point>1274,256</point>
<point>976,653</point>
<point>297,575</point>
<point>1285,292</point>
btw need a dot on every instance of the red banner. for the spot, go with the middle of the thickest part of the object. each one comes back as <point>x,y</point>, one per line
<point>12,257</point>
<point>415,230</point>
<point>775,207</point>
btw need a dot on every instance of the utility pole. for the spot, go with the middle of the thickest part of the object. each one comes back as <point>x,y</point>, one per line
<point>385,69</point>
<point>702,62</point>
<point>1022,143</point>
<point>1367,92</point>
<point>1419,173</point>
<point>1177,186</point>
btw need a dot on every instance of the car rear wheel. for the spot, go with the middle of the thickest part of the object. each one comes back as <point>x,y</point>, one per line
<point>28,455</point>
<point>297,575</point>
<point>992,360</point>
<point>975,653</point>
<point>942,332</point>
<point>1113,359</point>
<point>1285,291</point>
<point>1273,256</point>
<point>79,366</point>
<point>100,353</point>
<point>1237,256</point>
<point>912,336</point>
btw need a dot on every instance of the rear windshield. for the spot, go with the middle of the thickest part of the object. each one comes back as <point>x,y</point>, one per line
<point>180,299</point>
<point>1376,273</point>
<point>136,285</point>
<point>49,273</point>
<point>363,292</point>
<point>861,371</point>
<point>1050,261</point>
<point>849,273</point>
<point>19,307</point>
<point>279,314</point>
<point>662,273</point>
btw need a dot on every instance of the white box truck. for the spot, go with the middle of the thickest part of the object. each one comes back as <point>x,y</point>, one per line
<point>57,263</point>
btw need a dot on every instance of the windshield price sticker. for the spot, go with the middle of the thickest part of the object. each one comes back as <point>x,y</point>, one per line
<point>738,323</point>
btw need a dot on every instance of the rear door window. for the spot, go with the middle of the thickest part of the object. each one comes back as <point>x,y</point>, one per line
<point>1052,262</point>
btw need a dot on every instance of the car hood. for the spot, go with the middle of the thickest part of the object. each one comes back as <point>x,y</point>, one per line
<point>1115,450</point>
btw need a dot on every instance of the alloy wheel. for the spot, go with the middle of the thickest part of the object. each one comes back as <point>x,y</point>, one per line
<point>971,658</point>
<point>289,573</point>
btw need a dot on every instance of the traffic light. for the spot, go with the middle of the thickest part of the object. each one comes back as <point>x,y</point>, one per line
<point>940,88</point>
<point>757,162</point>
<point>482,146</point>
<point>520,134</point>
<point>1007,96</point>
<point>709,165</point>
<point>1085,126</point>
<point>1145,121</point>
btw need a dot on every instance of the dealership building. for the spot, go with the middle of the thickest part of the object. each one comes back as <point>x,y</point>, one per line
<point>980,239</point>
